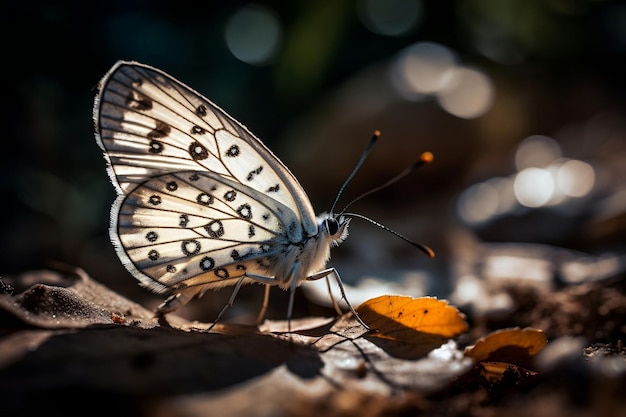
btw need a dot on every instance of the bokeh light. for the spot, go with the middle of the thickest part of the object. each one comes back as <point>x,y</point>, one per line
<point>468,94</point>
<point>536,151</point>
<point>558,182</point>
<point>428,69</point>
<point>478,203</point>
<point>423,68</point>
<point>534,187</point>
<point>253,35</point>
<point>575,178</point>
<point>484,200</point>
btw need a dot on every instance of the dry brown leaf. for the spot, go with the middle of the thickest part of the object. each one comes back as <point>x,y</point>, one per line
<point>402,318</point>
<point>514,346</point>
<point>494,372</point>
<point>71,299</point>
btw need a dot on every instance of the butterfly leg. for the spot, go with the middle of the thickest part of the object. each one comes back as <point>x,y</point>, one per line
<point>293,284</point>
<point>261,279</point>
<point>324,274</point>
<point>332,271</point>
<point>230,302</point>
<point>330,293</point>
<point>176,300</point>
<point>266,299</point>
<point>269,281</point>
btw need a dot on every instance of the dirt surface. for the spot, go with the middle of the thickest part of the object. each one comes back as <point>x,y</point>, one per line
<point>71,345</point>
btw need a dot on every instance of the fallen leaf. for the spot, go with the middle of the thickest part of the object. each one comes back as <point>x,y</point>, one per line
<point>514,346</point>
<point>410,328</point>
<point>401,317</point>
<point>493,372</point>
<point>69,300</point>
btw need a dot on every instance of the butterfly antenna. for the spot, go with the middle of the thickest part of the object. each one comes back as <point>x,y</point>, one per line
<point>366,152</point>
<point>424,159</point>
<point>428,251</point>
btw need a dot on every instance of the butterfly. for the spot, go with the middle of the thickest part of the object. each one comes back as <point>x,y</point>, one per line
<point>201,202</point>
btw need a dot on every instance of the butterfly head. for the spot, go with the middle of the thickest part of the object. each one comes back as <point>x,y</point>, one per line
<point>335,226</point>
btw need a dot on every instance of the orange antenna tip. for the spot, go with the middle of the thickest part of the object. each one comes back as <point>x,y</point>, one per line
<point>427,157</point>
<point>377,133</point>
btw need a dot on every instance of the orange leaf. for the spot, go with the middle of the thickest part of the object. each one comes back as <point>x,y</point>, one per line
<point>398,317</point>
<point>515,346</point>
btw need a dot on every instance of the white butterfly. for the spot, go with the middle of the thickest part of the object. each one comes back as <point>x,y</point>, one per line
<point>202,203</point>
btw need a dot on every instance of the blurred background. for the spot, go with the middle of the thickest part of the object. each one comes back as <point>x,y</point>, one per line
<point>523,104</point>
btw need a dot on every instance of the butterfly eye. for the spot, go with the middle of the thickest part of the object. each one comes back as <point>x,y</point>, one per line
<point>332,226</point>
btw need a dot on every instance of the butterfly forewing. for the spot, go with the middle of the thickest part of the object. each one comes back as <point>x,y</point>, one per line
<point>150,124</point>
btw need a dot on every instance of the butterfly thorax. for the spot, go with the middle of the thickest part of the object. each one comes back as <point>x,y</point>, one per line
<point>311,255</point>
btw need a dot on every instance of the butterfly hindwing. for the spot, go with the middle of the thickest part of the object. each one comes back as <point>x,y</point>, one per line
<point>197,228</point>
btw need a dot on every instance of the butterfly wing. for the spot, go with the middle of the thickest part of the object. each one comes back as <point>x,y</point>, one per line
<point>190,229</point>
<point>200,199</point>
<point>149,124</point>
